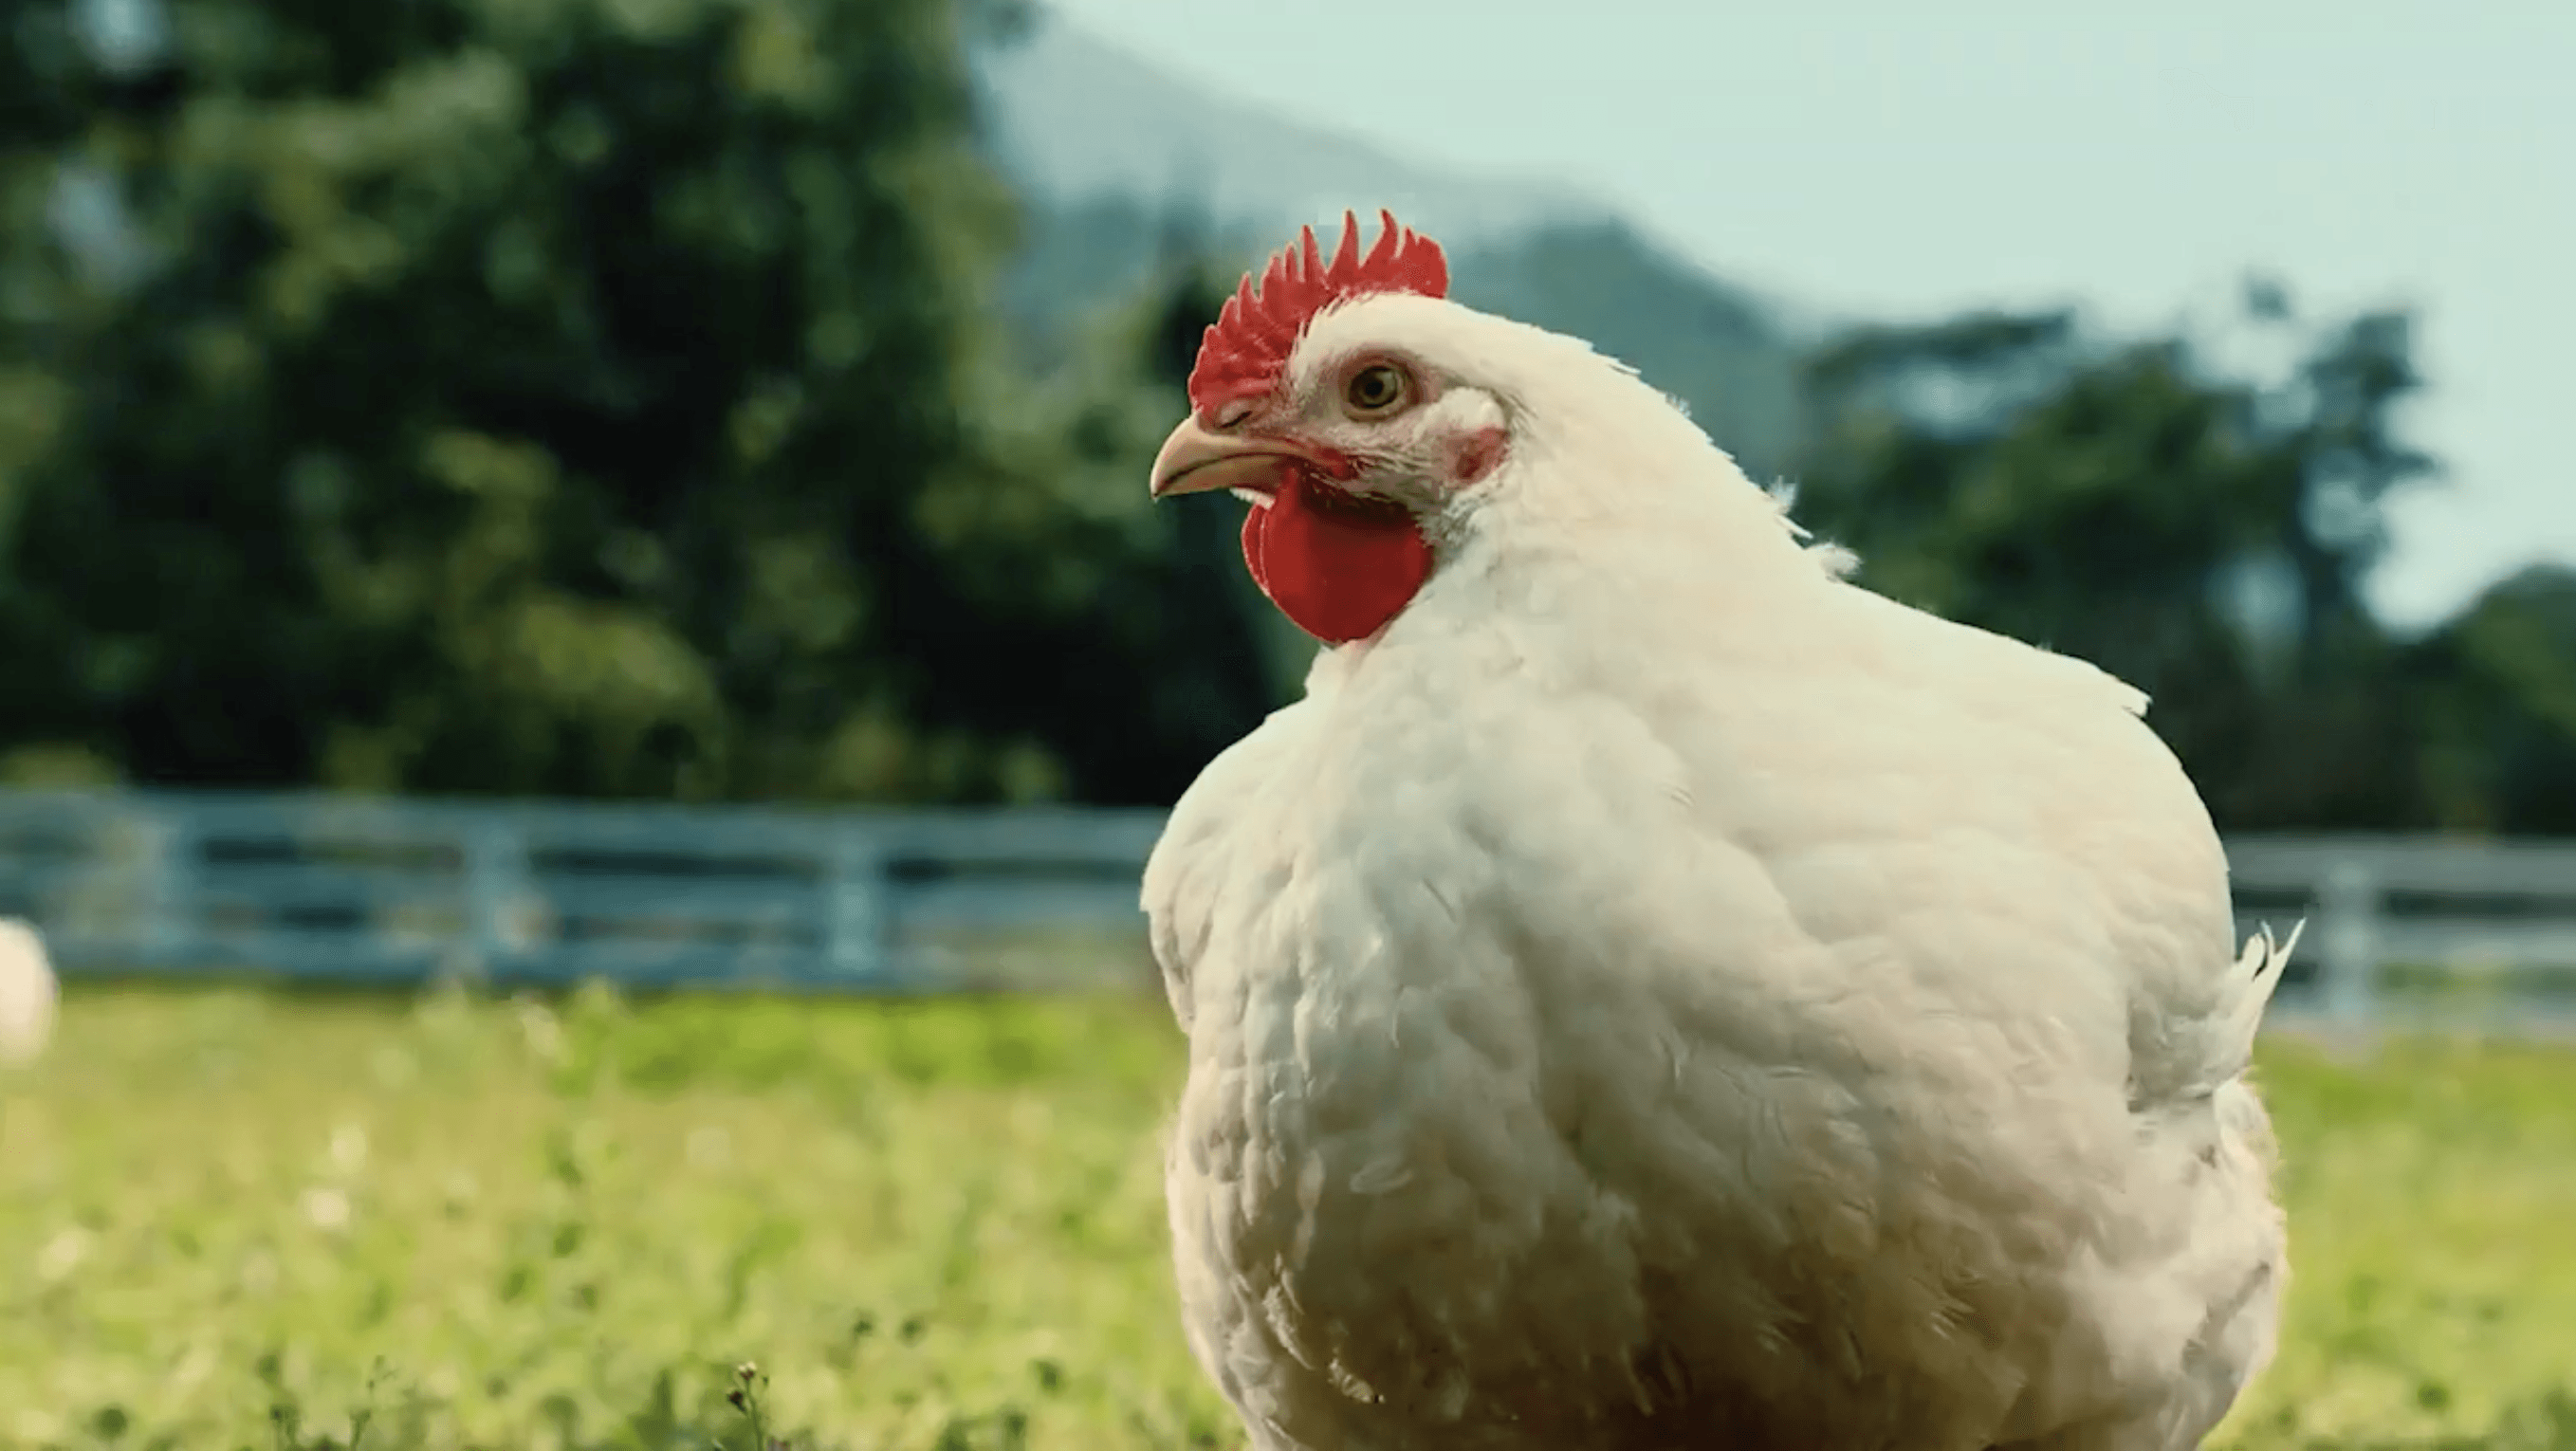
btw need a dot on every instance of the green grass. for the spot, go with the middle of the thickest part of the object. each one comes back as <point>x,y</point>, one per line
<point>932,1225</point>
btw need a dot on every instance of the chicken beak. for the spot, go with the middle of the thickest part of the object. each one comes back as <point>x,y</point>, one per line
<point>1199,460</point>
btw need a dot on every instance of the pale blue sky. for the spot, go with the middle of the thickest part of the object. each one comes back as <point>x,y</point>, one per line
<point>1904,157</point>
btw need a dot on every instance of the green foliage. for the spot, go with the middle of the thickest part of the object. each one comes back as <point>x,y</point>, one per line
<point>234,1219</point>
<point>556,396</point>
<point>2130,503</point>
<point>663,398</point>
<point>1159,651</point>
<point>2495,705</point>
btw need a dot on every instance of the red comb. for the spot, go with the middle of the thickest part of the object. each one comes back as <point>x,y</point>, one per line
<point>1242,354</point>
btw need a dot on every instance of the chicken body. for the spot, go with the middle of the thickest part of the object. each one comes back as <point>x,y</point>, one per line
<point>1656,994</point>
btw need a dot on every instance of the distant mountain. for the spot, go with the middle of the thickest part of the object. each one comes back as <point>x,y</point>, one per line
<point>1075,118</point>
<point>1110,154</point>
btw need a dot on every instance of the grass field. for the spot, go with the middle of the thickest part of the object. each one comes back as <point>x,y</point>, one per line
<point>932,1225</point>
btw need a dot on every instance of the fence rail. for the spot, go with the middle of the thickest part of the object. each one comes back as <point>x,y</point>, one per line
<point>399,890</point>
<point>342,888</point>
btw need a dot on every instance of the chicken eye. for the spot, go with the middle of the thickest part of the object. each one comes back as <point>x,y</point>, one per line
<point>1375,389</point>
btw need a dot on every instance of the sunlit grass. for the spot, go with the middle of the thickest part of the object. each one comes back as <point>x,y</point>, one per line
<point>2432,1196</point>
<point>932,1225</point>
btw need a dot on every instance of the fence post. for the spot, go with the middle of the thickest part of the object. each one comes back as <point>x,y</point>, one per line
<point>858,918</point>
<point>496,871</point>
<point>2348,946</point>
<point>170,885</point>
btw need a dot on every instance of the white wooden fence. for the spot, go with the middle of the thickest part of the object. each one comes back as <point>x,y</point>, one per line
<point>2418,927</point>
<point>355,889</point>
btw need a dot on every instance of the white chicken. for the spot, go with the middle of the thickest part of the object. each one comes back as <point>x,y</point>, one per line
<point>27,994</point>
<point>1651,992</point>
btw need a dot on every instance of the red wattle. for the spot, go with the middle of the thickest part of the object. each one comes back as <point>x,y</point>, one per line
<point>1339,568</point>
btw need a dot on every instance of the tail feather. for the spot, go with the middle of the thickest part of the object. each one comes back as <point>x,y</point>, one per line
<point>2248,991</point>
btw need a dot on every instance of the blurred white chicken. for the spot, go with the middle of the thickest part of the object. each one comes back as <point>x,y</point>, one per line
<point>27,994</point>
<point>1652,993</point>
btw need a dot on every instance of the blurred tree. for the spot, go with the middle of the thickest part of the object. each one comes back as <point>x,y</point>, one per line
<point>604,397</point>
<point>568,396</point>
<point>2203,536</point>
<point>2494,697</point>
<point>1244,659</point>
<point>1162,654</point>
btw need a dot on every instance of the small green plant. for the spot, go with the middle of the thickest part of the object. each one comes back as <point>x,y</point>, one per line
<point>286,1415</point>
<point>745,1398</point>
